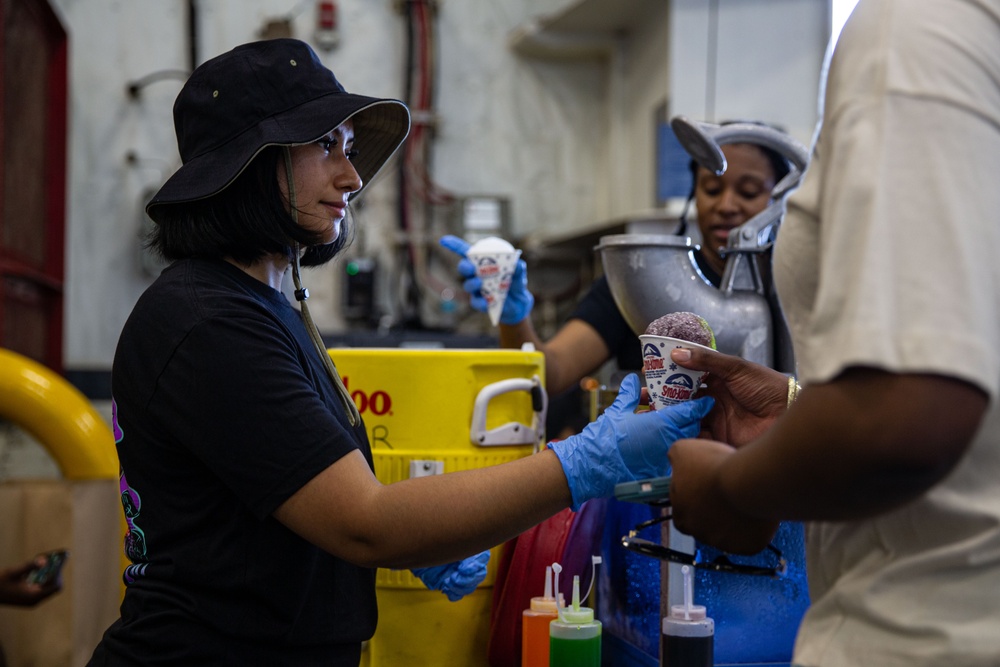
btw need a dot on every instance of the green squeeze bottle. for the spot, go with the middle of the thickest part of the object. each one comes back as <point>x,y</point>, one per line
<point>575,637</point>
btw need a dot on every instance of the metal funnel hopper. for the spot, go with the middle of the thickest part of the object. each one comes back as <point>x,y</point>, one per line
<point>651,275</point>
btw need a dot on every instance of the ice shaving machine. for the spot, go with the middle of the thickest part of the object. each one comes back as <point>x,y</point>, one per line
<point>649,276</point>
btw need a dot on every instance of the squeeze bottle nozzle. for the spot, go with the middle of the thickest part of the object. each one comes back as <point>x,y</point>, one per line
<point>556,569</point>
<point>575,637</point>
<point>547,602</point>
<point>688,611</point>
<point>688,635</point>
<point>535,623</point>
<point>688,592</point>
<point>576,613</point>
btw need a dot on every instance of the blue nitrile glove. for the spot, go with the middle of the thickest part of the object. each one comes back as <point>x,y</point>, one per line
<point>519,300</point>
<point>456,580</point>
<point>622,446</point>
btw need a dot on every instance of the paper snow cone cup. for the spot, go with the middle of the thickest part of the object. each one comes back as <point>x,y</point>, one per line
<point>495,261</point>
<point>668,383</point>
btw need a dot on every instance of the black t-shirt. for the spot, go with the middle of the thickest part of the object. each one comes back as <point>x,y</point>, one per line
<point>598,309</point>
<point>222,411</point>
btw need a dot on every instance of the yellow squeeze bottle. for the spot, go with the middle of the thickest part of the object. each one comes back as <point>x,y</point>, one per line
<point>535,626</point>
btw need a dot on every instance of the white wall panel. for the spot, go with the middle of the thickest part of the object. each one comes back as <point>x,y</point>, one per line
<point>571,142</point>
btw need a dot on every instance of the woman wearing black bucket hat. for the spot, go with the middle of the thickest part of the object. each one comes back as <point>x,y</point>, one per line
<point>254,517</point>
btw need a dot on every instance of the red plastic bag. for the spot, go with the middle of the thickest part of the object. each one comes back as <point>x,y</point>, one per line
<point>568,538</point>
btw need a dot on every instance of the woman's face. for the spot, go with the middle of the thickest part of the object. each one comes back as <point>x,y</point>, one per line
<point>727,201</point>
<point>324,180</point>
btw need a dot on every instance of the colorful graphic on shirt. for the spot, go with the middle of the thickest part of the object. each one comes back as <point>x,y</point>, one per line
<point>135,539</point>
<point>119,434</point>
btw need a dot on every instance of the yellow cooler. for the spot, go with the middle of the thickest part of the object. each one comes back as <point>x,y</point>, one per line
<point>430,412</point>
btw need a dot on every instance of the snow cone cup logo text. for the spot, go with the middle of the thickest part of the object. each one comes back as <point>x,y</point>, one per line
<point>495,261</point>
<point>668,383</point>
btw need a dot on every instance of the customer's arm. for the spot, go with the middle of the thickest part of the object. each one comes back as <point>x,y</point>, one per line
<point>15,588</point>
<point>862,444</point>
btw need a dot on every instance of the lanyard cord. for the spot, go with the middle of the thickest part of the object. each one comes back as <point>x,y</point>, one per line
<point>301,294</point>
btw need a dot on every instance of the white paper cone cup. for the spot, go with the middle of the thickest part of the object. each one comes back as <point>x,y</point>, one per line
<point>495,270</point>
<point>668,383</point>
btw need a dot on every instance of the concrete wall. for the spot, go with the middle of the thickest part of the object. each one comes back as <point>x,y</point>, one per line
<point>747,59</point>
<point>569,142</point>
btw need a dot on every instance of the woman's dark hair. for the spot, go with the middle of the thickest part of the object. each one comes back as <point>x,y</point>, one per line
<point>778,162</point>
<point>246,221</point>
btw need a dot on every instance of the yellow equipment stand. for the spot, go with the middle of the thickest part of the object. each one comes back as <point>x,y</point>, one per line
<point>433,412</point>
<point>56,414</point>
<point>80,511</point>
<point>61,419</point>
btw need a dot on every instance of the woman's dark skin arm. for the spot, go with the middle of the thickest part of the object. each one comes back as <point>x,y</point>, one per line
<point>570,355</point>
<point>862,444</point>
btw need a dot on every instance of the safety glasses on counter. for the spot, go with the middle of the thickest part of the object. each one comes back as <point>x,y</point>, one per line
<point>721,563</point>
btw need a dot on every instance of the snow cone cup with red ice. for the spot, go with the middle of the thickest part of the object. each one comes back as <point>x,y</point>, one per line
<point>495,261</point>
<point>668,383</point>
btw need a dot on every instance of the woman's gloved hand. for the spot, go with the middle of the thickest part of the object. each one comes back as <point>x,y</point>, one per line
<point>456,580</point>
<point>519,300</point>
<point>622,446</point>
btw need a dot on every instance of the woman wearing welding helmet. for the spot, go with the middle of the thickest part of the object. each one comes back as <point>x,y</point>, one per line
<point>255,519</point>
<point>596,330</point>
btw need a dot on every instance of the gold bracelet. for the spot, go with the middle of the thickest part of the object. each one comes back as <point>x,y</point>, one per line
<point>793,390</point>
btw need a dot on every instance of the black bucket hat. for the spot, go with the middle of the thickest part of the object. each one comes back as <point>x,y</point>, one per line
<point>272,92</point>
